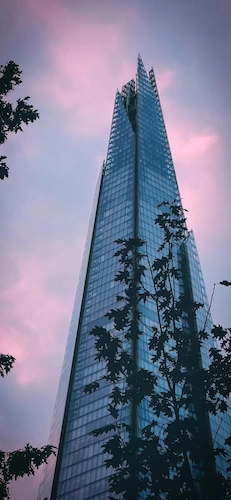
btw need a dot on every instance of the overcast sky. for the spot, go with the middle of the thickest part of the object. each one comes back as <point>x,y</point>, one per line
<point>74,55</point>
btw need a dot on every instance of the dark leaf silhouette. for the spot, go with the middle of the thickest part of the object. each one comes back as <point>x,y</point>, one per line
<point>89,388</point>
<point>12,118</point>
<point>20,462</point>
<point>6,363</point>
<point>225,283</point>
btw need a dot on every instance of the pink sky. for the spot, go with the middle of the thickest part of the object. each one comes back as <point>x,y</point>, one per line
<point>73,58</point>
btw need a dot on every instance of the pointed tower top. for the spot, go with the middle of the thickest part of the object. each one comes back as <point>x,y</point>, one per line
<point>140,65</point>
<point>139,59</point>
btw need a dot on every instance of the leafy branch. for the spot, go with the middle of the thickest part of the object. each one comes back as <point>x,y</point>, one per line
<point>172,456</point>
<point>12,118</point>
<point>20,462</point>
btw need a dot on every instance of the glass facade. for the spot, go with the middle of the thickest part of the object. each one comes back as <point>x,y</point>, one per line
<point>138,175</point>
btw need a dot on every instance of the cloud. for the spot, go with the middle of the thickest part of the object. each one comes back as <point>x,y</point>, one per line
<point>195,152</point>
<point>166,79</point>
<point>186,144</point>
<point>84,55</point>
<point>84,64</point>
<point>33,320</point>
<point>37,293</point>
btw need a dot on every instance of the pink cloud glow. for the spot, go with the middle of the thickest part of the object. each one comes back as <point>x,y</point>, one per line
<point>87,58</point>
<point>35,319</point>
<point>195,154</point>
<point>166,79</point>
<point>186,145</point>
<point>84,64</point>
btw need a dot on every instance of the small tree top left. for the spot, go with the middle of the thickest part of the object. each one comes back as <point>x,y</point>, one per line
<point>12,118</point>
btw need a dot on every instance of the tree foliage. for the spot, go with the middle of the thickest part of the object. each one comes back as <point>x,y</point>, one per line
<point>6,363</point>
<point>24,461</point>
<point>21,462</point>
<point>172,456</point>
<point>12,118</point>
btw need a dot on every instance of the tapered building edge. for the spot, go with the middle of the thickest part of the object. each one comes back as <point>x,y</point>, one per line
<point>49,484</point>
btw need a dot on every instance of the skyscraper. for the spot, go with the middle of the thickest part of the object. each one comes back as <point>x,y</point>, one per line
<point>137,175</point>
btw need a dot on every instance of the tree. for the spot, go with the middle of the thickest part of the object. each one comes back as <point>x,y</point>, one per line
<point>21,462</point>
<point>173,456</point>
<point>11,119</point>
<point>131,384</point>
<point>6,363</point>
<point>24,461</point>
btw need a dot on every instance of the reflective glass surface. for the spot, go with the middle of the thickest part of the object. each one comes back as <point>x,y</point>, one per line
<point>81,471</point>
<point>156,183</point>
